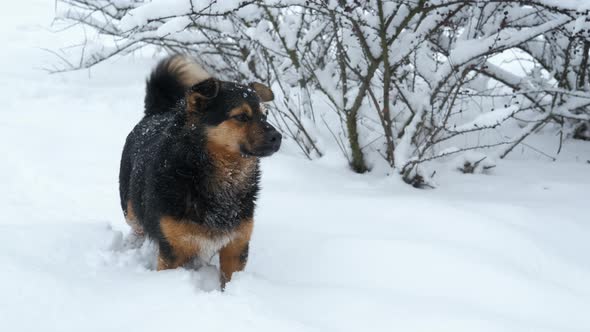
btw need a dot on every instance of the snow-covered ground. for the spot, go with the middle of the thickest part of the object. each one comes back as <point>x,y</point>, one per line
<point>332,250</point>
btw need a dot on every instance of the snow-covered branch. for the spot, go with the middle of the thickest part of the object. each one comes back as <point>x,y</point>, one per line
<point>388,81</point>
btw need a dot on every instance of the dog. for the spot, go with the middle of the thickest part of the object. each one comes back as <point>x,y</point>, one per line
<point>189,175</point>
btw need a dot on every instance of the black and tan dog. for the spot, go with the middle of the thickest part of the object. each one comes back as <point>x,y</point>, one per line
<point>189,171</point>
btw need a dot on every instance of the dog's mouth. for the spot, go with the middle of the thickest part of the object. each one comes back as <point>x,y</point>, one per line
<point>262,151</point>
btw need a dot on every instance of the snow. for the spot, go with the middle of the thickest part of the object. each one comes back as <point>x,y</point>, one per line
<point>142,15</point>
<point>467,50</point>
<point>174,25</point>
<point>331,251</point>
<point>489,119</point>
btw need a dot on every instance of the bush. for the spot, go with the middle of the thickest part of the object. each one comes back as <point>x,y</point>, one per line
<point>395,82</point>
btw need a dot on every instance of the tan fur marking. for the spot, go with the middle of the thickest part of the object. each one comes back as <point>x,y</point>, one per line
<point>189,240</point>
<point>192,101</point>
<point>244,108</point>
<point>131,219</point>
<point>226,138</point>
<point>230,259</point>
<point>189,71</point>
<point>164,264</point>
<point>179,233</point>
<point>224,148</point>
<point>224,142</point>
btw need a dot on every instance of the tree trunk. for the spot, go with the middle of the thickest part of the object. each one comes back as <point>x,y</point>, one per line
<point>357,162</point>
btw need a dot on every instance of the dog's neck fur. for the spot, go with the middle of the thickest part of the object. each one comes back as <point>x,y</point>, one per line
<point>231,184</point>
<point>231,170</point>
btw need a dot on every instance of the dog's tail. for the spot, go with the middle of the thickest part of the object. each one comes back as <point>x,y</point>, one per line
<point>169,81</point>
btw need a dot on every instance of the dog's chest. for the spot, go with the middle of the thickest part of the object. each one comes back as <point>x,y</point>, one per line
<point>190,239</point>
<point>233,175</point>
<point>206,246</point>
<point>230,191</point>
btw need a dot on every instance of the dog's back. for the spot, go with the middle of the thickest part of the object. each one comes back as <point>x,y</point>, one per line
<point>165,88</point>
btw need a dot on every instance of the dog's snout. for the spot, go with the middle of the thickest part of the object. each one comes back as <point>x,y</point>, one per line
<point>267,127</point>
<point>271,133</point>
<point>275,137</point>
<point>272,137</point>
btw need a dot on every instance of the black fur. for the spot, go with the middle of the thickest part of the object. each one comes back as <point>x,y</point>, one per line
<point>166,169</point>
<point>163,89</point>
<point>244,254</point>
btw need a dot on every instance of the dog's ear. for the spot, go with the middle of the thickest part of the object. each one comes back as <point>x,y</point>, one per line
<point>264,92</point>
<point>199,94</point>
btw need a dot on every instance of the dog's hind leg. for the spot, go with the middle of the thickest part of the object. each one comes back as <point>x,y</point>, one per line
<point>132,221</point>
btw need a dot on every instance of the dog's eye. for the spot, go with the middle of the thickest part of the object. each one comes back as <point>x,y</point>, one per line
<point>242,117</point>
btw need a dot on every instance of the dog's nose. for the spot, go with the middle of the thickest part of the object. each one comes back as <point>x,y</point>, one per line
<point>275,137</point>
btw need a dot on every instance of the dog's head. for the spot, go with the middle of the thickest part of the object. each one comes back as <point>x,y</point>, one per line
<point>234,118</point>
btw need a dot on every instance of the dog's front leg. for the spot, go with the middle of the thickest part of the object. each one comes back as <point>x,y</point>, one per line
<point>168,258</point>
<point>234,255</point>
